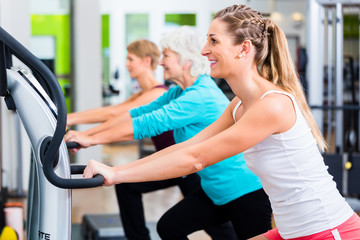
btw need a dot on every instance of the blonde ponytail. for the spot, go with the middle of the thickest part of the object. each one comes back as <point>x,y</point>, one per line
<point>272,57</point>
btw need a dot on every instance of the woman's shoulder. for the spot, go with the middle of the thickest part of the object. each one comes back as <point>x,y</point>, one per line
<point>161,86</point>
<point>273,104</point>
<point>279,109</point>
<point>145,97</point>
<point>233,103</point>
<point>157,89</point>
<point>276,101</point>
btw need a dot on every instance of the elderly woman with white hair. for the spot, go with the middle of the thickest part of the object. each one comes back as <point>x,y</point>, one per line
<point>228,190</point>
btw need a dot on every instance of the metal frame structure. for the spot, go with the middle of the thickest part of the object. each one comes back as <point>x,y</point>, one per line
<point>325,25</point>
<point>316,30</point>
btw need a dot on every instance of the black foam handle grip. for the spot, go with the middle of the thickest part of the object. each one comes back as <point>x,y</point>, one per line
<point>71,145</point>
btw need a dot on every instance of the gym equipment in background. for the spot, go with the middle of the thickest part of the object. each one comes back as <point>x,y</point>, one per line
<point>35,94</point>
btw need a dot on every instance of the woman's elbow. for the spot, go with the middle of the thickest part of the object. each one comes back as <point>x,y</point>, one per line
<point>112,113</point>
<point>198,163</point>
<point>196,160</point>
<point>198,166</point>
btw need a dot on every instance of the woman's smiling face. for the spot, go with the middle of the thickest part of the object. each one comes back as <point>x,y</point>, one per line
<point>220,50</point>
<point>135,65</point>
<point>170,62</point>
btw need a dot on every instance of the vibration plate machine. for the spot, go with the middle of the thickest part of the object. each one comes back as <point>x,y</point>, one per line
<point>34,93</point>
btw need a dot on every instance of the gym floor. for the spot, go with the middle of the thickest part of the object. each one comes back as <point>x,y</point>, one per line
<point>102,200</point>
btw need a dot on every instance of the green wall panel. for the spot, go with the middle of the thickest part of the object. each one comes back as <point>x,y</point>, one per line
<point>57,26</point>
<point>181,19</point>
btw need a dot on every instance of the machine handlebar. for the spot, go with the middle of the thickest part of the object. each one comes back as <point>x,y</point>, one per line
<point>96,181</point>
<point>48,168</point>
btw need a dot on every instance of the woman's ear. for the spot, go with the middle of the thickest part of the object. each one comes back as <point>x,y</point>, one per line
<point>245,47</point>
<point>188,64</point>
<point>148,60</point>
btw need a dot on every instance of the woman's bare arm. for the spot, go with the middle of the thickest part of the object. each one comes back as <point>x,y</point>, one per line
<point>103,114</point>
<point>94,115</point>
<point>119,133</point>
<point>219,141</point>
<point>109,124</point>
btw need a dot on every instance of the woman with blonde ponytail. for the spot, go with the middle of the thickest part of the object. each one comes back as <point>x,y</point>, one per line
<point>268,121</point>
<point>276,129</point>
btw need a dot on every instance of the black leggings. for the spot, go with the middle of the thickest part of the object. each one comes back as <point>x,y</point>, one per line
<point>129,196</point>
<point>250,215</point>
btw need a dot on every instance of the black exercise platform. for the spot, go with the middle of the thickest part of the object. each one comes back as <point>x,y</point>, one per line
<point>102,227</point>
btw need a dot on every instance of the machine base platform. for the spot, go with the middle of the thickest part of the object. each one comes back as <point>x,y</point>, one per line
<point>102,227</point>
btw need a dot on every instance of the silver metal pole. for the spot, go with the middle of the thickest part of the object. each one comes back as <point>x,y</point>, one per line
<point>339,76</point>
<point>330,22</point>
<point>315,53</point>
<point>345,175</point>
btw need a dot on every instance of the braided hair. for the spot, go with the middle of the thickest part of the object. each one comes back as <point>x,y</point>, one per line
<point>272,57</point>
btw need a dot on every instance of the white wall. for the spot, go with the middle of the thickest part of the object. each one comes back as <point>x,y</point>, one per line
<point>49,6</point>
<point>86,65</point>
<point>15,20</point>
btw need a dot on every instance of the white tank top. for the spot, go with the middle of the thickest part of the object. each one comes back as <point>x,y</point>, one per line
<point>303,196</point>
